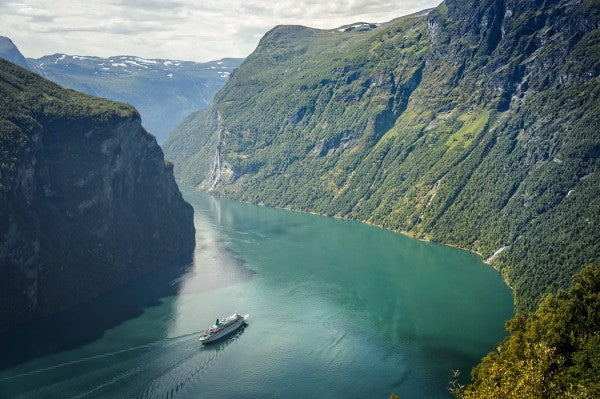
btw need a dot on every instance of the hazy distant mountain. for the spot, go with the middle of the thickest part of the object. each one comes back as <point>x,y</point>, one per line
<point>11,53</point>
<point>164,91</point>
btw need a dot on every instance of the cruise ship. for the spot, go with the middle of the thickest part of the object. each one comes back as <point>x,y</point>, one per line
<point>223,327</point>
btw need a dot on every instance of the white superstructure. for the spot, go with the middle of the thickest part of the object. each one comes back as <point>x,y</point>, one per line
<point>223,327</point>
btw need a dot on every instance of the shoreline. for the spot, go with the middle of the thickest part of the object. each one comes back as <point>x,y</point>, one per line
<point>488,262</point>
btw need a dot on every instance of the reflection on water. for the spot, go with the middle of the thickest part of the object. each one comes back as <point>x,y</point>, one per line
<point>214,266</point>
<point>338,309</point>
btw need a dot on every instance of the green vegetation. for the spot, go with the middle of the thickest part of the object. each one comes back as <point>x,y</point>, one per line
<point>23,90</point>
<point>471,126</point>
<point>553,352</point>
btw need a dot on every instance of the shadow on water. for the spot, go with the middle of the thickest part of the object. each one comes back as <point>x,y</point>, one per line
<point>213,266</point>
<point>88,321</point>
<point>185,370</point>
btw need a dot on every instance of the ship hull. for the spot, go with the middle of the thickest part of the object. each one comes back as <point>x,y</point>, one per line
<point>224,332</point>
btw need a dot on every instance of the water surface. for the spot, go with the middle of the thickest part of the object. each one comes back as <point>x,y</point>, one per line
<point>338,309</point>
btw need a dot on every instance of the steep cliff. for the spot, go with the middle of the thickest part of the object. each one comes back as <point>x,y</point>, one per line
<point>87,201</point>
<point>474,124</point>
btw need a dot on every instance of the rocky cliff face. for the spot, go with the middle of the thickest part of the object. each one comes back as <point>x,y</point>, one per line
<point>474,124</point>
<point>87,201</point>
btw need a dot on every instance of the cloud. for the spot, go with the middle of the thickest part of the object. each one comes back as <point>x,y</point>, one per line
<point>180,29</point>
<point>151,5</point>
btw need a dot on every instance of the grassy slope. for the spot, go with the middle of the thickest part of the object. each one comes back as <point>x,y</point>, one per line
<point>441,126</point>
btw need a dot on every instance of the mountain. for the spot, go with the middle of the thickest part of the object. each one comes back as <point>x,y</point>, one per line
<point>87,201</point>
<point>474,124</point>
<point>164,91</point>
<point>11,53</point>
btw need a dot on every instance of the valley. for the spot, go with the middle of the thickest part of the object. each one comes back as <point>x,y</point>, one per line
<point>143,197</point>
<point>441,125</point>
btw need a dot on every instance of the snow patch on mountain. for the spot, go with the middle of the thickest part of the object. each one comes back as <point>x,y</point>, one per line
<point>136,64</point>
<point>358,27</point>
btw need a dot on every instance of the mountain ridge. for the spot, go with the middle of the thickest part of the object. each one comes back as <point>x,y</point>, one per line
<point>163,90</point>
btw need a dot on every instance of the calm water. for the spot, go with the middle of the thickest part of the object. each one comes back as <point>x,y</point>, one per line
<point>338,310</point>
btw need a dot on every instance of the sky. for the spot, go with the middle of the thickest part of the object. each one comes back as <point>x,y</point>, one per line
<point>196,30</point>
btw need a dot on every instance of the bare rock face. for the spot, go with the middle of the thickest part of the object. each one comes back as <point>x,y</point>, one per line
<point>87,201</point>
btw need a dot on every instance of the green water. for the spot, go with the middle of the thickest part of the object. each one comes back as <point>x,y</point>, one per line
<point>338,310</point>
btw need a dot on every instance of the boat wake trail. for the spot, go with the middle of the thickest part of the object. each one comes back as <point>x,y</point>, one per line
<point>101,356</point>
<point>164,368</point>
<point>171,381</point>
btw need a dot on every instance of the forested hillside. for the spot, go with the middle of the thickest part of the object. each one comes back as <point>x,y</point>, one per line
<point>475,124</point>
